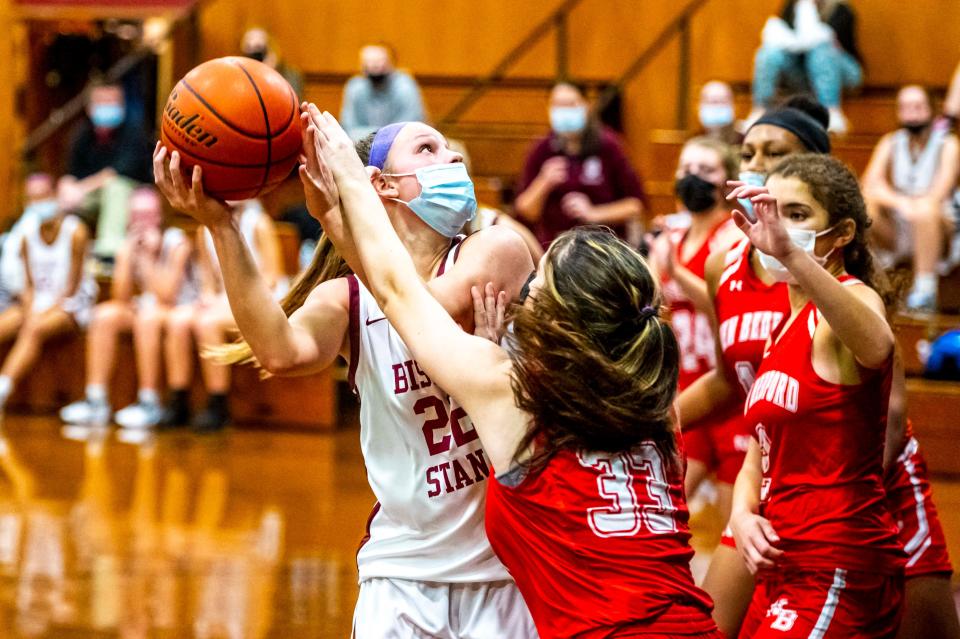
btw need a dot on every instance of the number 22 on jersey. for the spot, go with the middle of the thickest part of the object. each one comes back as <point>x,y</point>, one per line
<point>625,514</point>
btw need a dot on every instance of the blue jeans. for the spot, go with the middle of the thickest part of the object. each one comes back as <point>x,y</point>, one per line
<point>828,68</point>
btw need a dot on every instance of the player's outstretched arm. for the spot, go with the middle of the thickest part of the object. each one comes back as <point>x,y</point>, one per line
<point>855,314</point>
<point>473,370</point>
<point>312,337</point>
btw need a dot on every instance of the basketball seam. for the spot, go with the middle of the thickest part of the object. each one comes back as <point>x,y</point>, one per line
<point>225,121</point>
<point>202,159</point>
<point>266,121</point>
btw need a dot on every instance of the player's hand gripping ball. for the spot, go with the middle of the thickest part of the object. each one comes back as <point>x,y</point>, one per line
<point>238,119</point>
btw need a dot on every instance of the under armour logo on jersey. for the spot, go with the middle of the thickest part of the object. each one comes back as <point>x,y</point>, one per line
<point>736,285</point>
<point>785,618</point>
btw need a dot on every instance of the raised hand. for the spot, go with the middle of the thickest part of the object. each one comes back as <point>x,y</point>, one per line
<point>662,252</point>
<point>577,205</point>
<point>489,309</point>
<point>335,149</point>
<point>767,233</point>
<point>319,187</point>
<point>187,199</point>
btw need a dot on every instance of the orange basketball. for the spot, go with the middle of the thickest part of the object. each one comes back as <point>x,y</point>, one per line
<point>238,119</point>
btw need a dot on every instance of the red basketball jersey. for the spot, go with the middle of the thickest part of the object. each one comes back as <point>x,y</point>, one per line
<point>822,458</point>
<point>748,311</point>
<point>598,544</point>
<point>692,328</point>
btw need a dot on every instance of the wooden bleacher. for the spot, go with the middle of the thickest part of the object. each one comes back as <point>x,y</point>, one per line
<point>308,402</point>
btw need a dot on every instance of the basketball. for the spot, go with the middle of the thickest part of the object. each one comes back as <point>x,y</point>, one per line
<point>237,119</point>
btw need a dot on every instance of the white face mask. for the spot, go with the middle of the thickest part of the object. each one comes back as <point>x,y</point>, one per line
<point>806,239</point>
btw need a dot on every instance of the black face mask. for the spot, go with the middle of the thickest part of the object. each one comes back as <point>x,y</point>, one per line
<point>257,54</point>
<point>697,194</point>
<point>378,79</point>
<point>915,128</point>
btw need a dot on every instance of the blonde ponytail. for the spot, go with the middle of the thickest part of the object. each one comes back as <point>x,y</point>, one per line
<point>326,265</point>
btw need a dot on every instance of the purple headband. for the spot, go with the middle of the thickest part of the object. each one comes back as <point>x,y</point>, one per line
<point>382,142</point>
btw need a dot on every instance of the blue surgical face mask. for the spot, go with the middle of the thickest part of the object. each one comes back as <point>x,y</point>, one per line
<point>568,119</point>
<point>107,116</point>
<point>806,239</point>
<point>714,116</point>
<point>42,210</point>
<point>446,201</point>
<point>750,178</point>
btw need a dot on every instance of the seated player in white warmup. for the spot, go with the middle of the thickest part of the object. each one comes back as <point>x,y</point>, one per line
<point>152,275</point>
<point>58,293</point>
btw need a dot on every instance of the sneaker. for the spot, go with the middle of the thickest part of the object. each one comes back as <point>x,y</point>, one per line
<point>210,421</point>
<point>139,416</point>
<point>174,417</point>
<point>839,124</point>
<point>85,412</point>
<point>921,302</point>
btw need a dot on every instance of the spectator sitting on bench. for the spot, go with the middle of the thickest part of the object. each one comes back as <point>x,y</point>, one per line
<point>58,293</point>
<point>907,187</point>
<point>39,190</point>
<point>152,275</point>
<point>211,322</point>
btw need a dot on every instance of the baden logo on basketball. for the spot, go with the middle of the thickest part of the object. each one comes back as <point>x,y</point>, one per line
<point>187,124</point>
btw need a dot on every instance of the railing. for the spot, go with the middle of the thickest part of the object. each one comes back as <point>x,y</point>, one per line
<point>557,20</point>
<point>75,105</point>
<point>65,114</point>
<point>679,26</point>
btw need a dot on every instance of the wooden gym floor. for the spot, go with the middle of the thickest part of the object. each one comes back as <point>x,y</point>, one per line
<point>248,534</point>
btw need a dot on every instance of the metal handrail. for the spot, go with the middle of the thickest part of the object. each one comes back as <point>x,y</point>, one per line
<point>557,20</point>
<point>679,25</point>
<point>75,105</point>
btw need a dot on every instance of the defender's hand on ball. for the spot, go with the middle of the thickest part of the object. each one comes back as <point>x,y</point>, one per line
<point>188,199</point>
<point>489,309</point>
<point>768,233</point>
<point>335,149</point>
<point>319,187</point>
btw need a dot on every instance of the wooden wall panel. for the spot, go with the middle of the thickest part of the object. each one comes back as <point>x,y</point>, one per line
<point>919,41</point>
<point>12,48</point>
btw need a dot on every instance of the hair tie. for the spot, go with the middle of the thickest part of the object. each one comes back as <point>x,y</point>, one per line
<point>647,312</point>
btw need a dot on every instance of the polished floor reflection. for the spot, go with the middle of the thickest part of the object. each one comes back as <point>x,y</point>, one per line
<point>251,534</point>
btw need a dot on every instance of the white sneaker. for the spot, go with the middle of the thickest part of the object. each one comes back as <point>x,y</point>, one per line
<point>139,416</point>
<point>838,122</point>
<point>85,412</point>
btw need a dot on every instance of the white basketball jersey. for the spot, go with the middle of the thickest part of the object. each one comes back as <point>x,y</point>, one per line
<point>249,218</point>
<point>50,265</point>
<point>188,292</point>
<point>424,461</point>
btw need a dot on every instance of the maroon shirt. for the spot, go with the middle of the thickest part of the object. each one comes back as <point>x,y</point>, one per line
<point>604,176</point>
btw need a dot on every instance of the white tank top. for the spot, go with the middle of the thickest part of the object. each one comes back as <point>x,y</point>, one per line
<point>913,176</point>
<point>249,217</point>
<point>424,461</point>
<point>172,238</point>
<point>50,264</point>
